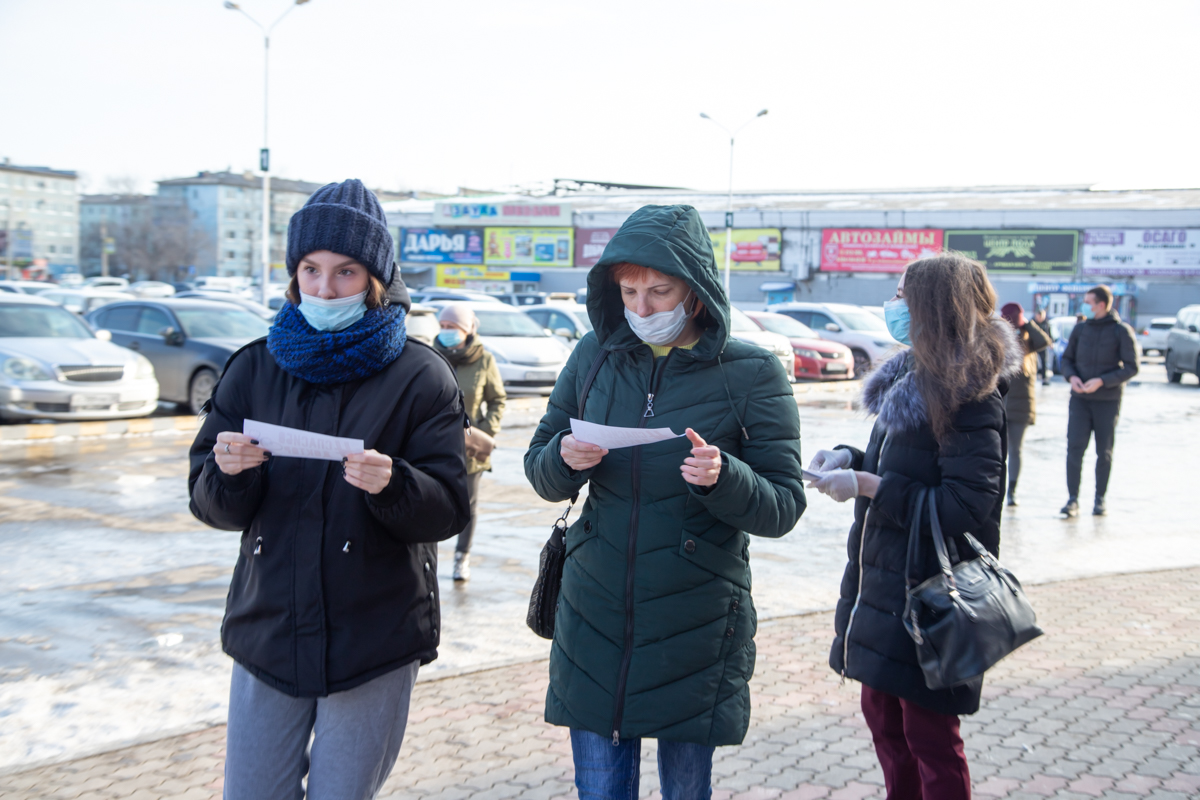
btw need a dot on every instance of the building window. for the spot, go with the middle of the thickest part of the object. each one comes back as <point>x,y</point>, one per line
<point>68,249</point>
<point>231,235</point>
<point>230,254</point>
<point>50,248</point>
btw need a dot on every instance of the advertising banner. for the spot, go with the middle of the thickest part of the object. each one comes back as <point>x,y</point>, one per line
<point>1018,251</point>
<point>876,249</point>
<point>590,244</point>
<point>1141,251</point>
<point>528,247</point>
<point>754,249</point>
<point>442,245</point>
<point>510,212</point>
<point>454,276</point>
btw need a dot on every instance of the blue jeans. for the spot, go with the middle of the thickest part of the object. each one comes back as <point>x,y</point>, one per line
<point>604,772</point>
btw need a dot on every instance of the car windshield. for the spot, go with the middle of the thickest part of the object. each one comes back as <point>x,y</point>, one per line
<point>48,321</point>
<point>500,323</point>
<point>862,321</point>
<point>792,328</point>
<point>221,323</point>
<point>584,320</point>
<point>740,323</point>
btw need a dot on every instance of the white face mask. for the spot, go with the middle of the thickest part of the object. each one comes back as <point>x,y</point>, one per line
<point>333,315</point>
<point>661,328</point>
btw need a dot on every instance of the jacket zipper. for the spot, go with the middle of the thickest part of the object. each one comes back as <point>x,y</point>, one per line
<point>862,539</point>
<point>656,372</point>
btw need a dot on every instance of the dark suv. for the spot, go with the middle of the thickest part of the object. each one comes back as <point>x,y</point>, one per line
<point>1183,344</point>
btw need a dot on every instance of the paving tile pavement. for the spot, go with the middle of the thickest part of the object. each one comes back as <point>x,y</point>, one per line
<point>1106,705</point>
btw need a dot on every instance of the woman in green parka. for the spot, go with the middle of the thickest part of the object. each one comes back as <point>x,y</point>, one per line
<point>654,633</point>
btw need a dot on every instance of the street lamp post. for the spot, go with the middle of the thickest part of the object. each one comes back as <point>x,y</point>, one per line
<point>729,205</point>
<point>264,155</point>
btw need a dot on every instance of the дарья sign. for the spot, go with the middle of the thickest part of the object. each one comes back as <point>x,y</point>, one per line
<point>442,245</point>
<point>1018,251</point>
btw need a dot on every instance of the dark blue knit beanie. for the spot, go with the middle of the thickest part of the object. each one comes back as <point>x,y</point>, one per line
<point>344,218</point>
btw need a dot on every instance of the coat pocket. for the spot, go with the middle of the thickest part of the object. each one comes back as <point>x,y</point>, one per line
<point>585,528</point>
<point>717,560</point>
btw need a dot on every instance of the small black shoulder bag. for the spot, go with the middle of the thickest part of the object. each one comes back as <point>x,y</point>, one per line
<point>543,602</point>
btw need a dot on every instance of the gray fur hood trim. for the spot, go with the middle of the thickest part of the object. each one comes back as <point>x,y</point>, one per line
<point>891,391</point>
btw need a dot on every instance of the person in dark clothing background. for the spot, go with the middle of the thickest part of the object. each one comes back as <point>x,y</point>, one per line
<point>333,601</point>
<point>1101,356</point>
<point>1021,400</point>
<point>1042,322</point>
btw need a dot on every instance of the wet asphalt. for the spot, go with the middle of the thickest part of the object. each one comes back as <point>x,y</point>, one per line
<point>111,594</point>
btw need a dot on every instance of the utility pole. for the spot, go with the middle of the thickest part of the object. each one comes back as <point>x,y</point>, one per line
<point>729,201</point>
<point>8,241</point>
<point>104,247</point>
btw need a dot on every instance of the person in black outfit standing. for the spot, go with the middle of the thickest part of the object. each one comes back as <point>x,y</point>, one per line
<point>1101,356</point>
<point>1042,323</point>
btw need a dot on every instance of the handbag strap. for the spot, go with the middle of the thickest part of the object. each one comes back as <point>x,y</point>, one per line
<point>939,543</point>
<point>591,376</point>
<point>914,540</point>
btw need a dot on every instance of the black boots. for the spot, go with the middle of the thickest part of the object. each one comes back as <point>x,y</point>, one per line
<point>1099,510</point>
<point>1071,509</point>
<point>1012,494</point>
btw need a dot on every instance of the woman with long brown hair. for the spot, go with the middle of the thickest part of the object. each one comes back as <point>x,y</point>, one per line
<point>940,426</point>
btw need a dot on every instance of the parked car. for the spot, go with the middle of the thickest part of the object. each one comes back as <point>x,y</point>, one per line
<point>26,287</point>
<point>1153,337</point>
<point>107,282</point>
<point>816,358</point>
<point>524,298</point>
<point>854,326</point>
<point>1183,344</point>
<point>422,323</point>
<point>568,321</point>
<point>151,289</point>
<point>1060,333</point>
<point>451,295</point>
<point>188,340</point>
<point>236,299</point>
<point>526,355</point>
<point>53,366</point>
<point>83,301</point>
<point>744,329</point>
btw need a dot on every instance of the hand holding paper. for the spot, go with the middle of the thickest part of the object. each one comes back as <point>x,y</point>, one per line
<point>611,437</point>
<point>293,442</point>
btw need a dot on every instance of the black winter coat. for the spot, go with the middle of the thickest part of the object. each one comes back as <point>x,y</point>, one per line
<point>968,472</point>
<point>334,587</point>
<point>1102,348</point>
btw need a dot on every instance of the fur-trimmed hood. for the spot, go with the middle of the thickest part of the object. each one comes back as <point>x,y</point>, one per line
<point>891,391</point>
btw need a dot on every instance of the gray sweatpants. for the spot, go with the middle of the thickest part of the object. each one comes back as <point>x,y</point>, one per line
<point>356,737</point>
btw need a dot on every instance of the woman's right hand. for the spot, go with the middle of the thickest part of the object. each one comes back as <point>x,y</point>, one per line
<point>829,460</point>
<point>580,455</point>
<point>237,451</point>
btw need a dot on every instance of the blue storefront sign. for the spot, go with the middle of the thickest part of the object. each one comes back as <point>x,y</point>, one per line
<point>442,245</point>
<point>1079,288</point>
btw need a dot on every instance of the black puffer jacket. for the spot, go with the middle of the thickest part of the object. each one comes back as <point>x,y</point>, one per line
<point>968,471</point>
<point>334,587</point>
<point>1102,348</point>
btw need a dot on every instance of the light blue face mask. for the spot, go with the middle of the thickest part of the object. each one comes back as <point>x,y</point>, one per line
<point>333,315</point>
<point>895,314</point>
<point>451,338</point>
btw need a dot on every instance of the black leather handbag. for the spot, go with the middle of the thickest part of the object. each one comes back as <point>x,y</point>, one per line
<point>543,601</point>
<point>969,616</point>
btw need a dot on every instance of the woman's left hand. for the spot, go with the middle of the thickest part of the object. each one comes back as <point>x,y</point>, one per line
<point>704,467</point>
<point>369,470</point>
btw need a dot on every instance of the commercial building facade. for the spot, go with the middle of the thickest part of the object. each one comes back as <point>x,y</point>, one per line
<point>1039,244</point>
<point>39,218</point>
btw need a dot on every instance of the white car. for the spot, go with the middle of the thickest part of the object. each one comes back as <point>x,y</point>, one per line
<point>567,321</point>
<point>152,289</point>
<point>84,301</point>
<point>1153,337</point>
<point>854,326</point>
<point>527,356</point>
<point>52,366</point>
<point>26,287</point>
<point>746,330</point>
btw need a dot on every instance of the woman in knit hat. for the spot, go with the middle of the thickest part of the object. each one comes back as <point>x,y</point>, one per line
<point>483,397</point>
<point>333,602</point>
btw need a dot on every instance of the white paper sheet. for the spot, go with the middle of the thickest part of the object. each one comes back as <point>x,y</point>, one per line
<point>812,476</point>
<point>293,442</point>
<point>611,438</point>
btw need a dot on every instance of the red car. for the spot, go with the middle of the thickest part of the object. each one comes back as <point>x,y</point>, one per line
<point>816,358</point>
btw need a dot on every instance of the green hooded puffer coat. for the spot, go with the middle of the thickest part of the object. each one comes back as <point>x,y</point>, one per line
<point>655,625</point>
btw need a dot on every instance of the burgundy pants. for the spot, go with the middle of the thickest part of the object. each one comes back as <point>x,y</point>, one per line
<point>920,750</point>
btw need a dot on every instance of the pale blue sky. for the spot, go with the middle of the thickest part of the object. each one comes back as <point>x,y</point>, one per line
<point>483,93</point>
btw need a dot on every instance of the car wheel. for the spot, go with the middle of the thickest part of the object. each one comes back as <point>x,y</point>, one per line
<point>1173,375</point>
<point>862,363</point>
<point>201,389</point>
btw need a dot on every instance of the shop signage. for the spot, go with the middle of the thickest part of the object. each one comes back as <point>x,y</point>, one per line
<point>511,212</point>
<point>1037,287</point>
<point>533,247</point>
<point>1141,251</point>
<point>442,245</point>
<point>1018,251</point>
<point>754,249</point>
<point>876,249</point>
<point>590,244</point>
<point>455,276</point>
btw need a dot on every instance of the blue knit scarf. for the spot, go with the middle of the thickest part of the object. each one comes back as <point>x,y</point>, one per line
<point>360,351</point>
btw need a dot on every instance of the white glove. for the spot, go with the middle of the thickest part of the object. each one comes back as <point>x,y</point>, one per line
<point>840,484</point>
<point>828,460</point>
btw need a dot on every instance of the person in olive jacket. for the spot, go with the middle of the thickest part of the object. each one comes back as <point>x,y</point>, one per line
<point>940,424</point>
<point>333,602</point>
<point>654,633</point>
<point>1100,357</point>
<point>1021,400</point>
<point>484,399</point>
